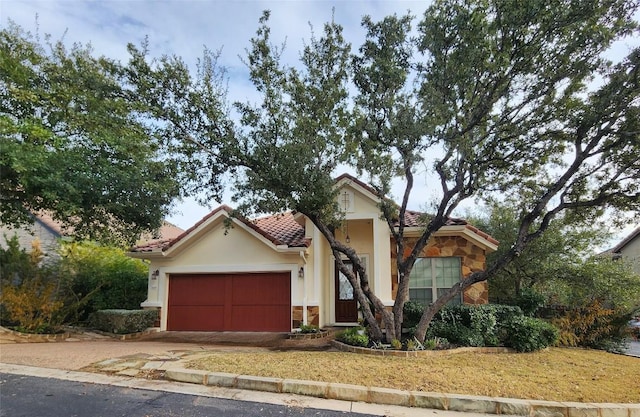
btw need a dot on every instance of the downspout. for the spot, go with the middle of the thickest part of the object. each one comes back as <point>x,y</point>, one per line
<point>304,288</point>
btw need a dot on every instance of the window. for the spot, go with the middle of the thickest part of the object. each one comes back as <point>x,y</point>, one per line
<point>433,276</point>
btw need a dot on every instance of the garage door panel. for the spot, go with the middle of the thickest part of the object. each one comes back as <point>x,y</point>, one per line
<point>251,302</point>
<point>196,290</point>
<point>209,318</point>
<point>261,289</point>
<point>260,318</point>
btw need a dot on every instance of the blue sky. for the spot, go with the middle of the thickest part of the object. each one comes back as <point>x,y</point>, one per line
<point>185,27</point>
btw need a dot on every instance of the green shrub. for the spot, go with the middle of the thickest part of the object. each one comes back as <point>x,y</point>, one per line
<point>530,301</point>
<point>527,334</point>
<point>308,328</point>
<point>469,325</point>
<point>29,299</point>
<point>396,344</point>
<point>100,278</point>
<point>456,333</point>
<point>353,337</point>
<point>412,312</point>
<point>123,321</point>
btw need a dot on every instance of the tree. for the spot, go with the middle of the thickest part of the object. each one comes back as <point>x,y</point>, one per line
<point>565,244</point>
<point>80,139</point>
<point>490,97</point>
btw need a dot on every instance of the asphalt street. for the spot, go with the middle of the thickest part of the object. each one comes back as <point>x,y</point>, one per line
<point>27,396</point>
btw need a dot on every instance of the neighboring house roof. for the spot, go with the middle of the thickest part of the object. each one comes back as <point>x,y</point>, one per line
<point>632,236</point>
<point>167,231</point>
<point>282,229</point>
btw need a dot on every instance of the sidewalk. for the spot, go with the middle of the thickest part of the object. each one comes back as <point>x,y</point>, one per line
<point>153,357</point>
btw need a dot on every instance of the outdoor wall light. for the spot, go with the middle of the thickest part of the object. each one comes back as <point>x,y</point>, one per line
<point>155,274</point>
<point>301,272</point>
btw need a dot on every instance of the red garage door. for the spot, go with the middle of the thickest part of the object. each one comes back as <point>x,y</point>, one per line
<point>259,302</point>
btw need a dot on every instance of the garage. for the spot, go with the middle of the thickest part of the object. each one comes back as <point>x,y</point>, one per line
<point>247,302</point>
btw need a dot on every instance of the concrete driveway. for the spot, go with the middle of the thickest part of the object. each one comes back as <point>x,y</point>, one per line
<point>86,348</point>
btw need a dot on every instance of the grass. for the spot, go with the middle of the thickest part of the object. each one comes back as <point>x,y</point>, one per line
<point>556,374</point>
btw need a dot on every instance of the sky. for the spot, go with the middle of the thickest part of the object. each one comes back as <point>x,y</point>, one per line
<point>184,28</point>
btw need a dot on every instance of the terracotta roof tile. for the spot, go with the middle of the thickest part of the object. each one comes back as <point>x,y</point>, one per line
<point>282,229</point>
<point>416,219</point>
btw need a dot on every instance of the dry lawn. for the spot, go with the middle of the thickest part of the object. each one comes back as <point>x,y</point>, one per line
<point>555,374</point>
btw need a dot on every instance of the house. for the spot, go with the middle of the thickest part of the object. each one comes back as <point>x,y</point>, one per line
<point>48,232</point>
<point>277,272</point>
<point>629,250</point>
<point>44,229</point>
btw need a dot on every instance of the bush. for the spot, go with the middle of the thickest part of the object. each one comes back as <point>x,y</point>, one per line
<point>592,326</point>
<point>527,334</point>
<point>308,328</point>
<point>353,337</point>
<point>530,301</point>
<point>100,278</point>
<point>455,332</point>
<point>492,325</point>
<point>29,298</point>
<point>123,321</point>
<point>468,325</point>
<point>412,312</point>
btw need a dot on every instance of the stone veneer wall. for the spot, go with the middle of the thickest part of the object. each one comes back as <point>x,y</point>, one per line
<point>473,259</point>
<point>313,316</point>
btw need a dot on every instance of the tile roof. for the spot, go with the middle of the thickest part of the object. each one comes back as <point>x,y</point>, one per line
<point>280,229</point>
<point>417,219</point>
<point>284,229</point>
<point>167,231</point>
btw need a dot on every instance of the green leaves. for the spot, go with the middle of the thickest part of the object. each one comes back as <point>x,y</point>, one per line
<point>83,137</point>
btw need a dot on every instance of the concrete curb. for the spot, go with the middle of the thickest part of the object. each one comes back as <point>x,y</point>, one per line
<point>438,401</point>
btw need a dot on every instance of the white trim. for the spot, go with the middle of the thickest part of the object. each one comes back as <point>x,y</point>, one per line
<point>317,295</point>
<point>348,182</point>
<point>456,230</point>
<point>377,268</point>
<point>151,304</point>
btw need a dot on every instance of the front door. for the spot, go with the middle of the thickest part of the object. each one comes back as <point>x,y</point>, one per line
<point>346,304</point>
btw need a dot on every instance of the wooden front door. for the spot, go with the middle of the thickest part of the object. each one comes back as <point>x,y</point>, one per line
<point>346,304</point>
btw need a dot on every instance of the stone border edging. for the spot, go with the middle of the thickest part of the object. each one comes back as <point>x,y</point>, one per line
<point>415,353</point>
<point>38,338</point>
<point>128,336</point>
<point>418,399</point>
<point>308,336</point>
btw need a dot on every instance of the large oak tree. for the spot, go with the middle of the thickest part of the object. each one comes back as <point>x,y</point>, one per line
<point>487,98</point>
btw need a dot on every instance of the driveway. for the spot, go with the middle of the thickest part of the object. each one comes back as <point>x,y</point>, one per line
<point>84,348</point>
<point>634,349</point>
<point>87,348</point>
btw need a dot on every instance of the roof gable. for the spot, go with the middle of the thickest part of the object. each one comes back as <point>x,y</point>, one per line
<point>279,231</point>
<point>630,238</point>
<point>284,231</point>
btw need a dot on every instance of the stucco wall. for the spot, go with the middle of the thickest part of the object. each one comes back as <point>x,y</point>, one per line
<point>217,251</point>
